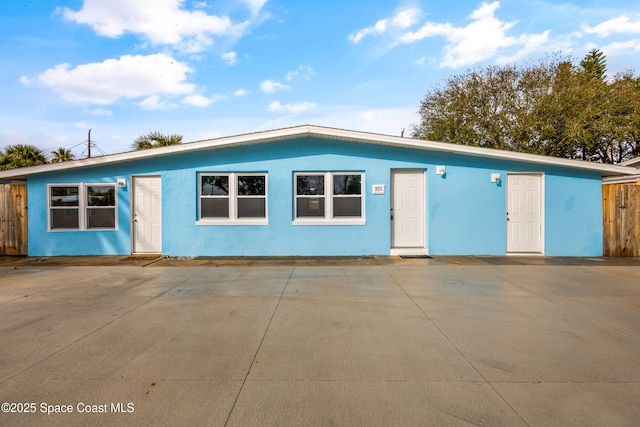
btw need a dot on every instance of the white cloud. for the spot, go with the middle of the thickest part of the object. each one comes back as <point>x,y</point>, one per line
<point>241,92</point>
<point>161,22</point>
<point>271,86</point>
<point>230,57</point>
<point>406,18</point>
<point>622,24</point>
<point>153,103</point>
<point>303,71</point>
<point>481,39</point>
<point>255,5</point>
<point>127,77</point>
<point>621,48</point>
<point>403,19</point>
<point>198,100</point>
<point>379,28</point>
<point>531,43</point>
<point>276,106</point>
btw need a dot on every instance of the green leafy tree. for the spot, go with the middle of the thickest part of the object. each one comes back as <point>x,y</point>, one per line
<point>156,139</point>
<point>619,126</point>
<point>595,64</point>
<point>552,108</point>
<point>21,155</point>
<point>488,108</point>
<point>564,120</point>
<point>62,155</point>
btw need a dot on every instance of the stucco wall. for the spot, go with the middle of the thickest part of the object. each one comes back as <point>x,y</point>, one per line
<point>465,212</point>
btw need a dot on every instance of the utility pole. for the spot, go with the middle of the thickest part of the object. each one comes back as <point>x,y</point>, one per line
<point>89,145</point>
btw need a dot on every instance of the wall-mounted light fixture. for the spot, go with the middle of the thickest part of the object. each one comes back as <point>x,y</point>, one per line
<point>441,170</point>
<point>121,183</point>
<point>495,177</point>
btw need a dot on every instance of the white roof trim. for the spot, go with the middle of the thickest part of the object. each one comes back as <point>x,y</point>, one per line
<point>322,133</point>
<point>635,162</point>
<point>626,179</point>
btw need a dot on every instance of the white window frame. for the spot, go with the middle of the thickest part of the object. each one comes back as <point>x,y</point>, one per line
<point>83,206</point>
<point>51,208</point>
<point>86,207</point>
<point>233,200</point>
<point>328,218</point>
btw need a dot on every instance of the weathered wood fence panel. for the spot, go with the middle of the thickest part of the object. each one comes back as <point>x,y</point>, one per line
<point>621,217</point>
<point>13,219</point>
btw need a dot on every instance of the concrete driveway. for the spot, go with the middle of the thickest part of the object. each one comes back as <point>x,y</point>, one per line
<point>328,342</point>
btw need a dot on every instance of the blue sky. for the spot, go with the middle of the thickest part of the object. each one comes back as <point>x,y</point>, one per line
<point>204,68</point>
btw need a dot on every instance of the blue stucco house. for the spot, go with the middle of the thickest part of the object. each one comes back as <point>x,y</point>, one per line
<point>315,191</point>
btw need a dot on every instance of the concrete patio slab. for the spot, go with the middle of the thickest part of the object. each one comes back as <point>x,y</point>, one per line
<point>360,341</point>
<point>186,338</point>
<point>585,404</point>
<point>123,402</point>
<point>368,403</point>
<point>531,340</point>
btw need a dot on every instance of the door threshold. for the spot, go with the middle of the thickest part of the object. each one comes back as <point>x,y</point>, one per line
<point>409,251</point>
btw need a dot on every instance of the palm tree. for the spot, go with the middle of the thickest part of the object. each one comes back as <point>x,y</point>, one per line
<point>20,156</point>
<point>62,155</point>
<point>156,139</point>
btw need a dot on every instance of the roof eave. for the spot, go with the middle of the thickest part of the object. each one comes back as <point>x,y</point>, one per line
<point>635,162</point>
<point>309,131</point>
<point>622,179</point>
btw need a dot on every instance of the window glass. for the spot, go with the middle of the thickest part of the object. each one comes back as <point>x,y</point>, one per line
<point>347,184</point>
<point>310,207</point>
<point>101,218</point>
<point>65,218</point>
<point>233,196</point>
<point>251,185</point>
<point>310,185</point>
<point>214,202</point>
<point>252,208</point>
<point>343,202</point>
<point>64,196</point>
<point>215,185</point>
<point>214,207</point>
<point>64,207</point>
<point>101,195</point>
<point>347,206</point>
<point>98,214</point>
<point>82,206</point>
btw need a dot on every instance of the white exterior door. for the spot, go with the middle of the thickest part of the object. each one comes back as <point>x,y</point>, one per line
<point>407,210</point>
<point>147,214</point>
<point>524,213</point>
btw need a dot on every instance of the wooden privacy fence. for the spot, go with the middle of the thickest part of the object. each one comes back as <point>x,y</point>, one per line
<point>13,219</point>
<point>621,217</point>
